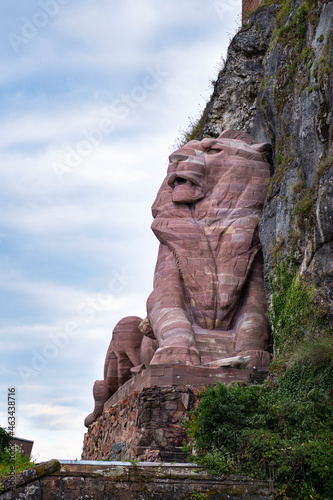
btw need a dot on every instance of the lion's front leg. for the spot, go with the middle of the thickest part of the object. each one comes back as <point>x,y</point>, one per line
<point>175,337</point>
<point>167,314</point>
<point>252,328</point>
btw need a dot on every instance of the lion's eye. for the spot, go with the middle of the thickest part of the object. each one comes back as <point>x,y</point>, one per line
<point>213,151</point>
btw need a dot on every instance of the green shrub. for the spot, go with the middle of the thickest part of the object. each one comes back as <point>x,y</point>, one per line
<point>284,434</point>
<point>12,459</point>
<point>4,439</point>
<point>294,317</point>
<point>222,416</point>
<point>310,368</point>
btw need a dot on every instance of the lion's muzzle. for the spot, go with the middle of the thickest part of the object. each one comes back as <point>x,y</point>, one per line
<point>187,177</point>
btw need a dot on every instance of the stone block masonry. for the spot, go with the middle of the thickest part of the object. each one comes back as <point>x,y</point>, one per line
<point>144,419</point>
<point>181,375</point>
<point>144,426</point>
<point>66,480</point>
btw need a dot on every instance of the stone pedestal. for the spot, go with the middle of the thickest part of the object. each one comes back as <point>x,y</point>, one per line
<point>143,420</point>
<point>144,426</point>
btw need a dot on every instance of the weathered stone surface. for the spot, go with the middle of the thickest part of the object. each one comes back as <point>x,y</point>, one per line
<point>30,475</point>
<point>129,351</point>
<point>208,275</point>
<point>167,375</point>
<point>147,481</point>
<point>142,421</point>
<point>248,6</point>
<point>144,426</point>
<point>295,114</point>
<point>234,101</point>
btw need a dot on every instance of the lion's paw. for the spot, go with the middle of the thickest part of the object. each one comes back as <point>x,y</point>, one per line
<point>176,355</point>
<point>259,359</point>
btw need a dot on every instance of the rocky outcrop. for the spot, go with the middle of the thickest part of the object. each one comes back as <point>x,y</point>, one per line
<point>277,85</point>
<point>234,101</point>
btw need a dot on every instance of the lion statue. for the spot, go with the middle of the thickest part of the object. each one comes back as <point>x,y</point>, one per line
<point>209,271</point>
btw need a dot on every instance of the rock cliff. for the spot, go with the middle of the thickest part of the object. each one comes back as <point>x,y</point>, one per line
<point>277,85</point>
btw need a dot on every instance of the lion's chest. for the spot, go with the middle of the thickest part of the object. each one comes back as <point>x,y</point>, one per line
<point>213,259</point>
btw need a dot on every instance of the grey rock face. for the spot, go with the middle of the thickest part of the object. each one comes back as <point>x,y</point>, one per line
<point>233,104</point>
<point>320,265</point>
<point>277,85</point>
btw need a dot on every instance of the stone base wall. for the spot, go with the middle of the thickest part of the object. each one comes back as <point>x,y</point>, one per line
<point>143,420</point>
<point>143,426</point>
<point>179,375</point>
<point>65,480</point>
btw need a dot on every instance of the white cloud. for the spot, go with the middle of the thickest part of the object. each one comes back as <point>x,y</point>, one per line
<point>124,26</point>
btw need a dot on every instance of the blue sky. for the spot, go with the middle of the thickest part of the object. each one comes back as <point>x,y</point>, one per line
<point>92,98</point>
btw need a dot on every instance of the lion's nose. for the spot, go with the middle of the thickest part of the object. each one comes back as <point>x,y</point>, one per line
<point>176,157</point>
<point>186,158</point>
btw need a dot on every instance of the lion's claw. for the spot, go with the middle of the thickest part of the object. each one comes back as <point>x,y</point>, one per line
<point>176,355</point>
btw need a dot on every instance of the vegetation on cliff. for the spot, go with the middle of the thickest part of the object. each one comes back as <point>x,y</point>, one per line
<point>282,430</point>
<point>294,318</point>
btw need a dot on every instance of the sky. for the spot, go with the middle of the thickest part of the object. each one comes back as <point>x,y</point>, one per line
<point>93,96</point>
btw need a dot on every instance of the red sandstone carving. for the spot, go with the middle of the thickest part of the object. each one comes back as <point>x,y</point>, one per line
<point>209,271</point>
<point>129,351</point>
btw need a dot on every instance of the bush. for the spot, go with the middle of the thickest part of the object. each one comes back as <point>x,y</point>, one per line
<point>12,459</point>
<point>293,315</point>
<point>4,439</point>
<point>285,434</point>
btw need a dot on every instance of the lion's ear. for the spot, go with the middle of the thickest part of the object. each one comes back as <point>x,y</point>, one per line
<point>265,149</point>
<point>237,134</point>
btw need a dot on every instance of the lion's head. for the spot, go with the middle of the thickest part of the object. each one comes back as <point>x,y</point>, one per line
<point>197,167</point>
